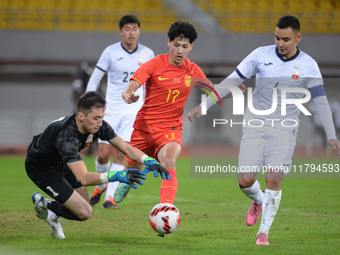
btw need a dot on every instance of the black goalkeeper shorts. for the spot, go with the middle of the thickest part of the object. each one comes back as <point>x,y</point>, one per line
<point>58,181</point>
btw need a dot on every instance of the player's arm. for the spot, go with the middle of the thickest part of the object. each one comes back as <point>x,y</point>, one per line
<point>140,157</point>
<point>99,71</point>
<point>322,106</point>
<point>79,170</point>
<point>224,93</point>
<point>128,150</point>
<point>129,176</point>
<point>129,93</point>
<point>246,69</point>
<point>95,79</point>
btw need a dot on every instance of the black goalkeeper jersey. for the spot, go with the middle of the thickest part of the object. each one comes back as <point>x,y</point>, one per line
<point>61,142</point>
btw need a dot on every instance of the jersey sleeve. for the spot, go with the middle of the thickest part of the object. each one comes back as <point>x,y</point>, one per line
<point>67,147</point>
<point>197,72</point>
<point>247,68</point>
<point>104,61</point>
<point>95,79</point>
<point>106,132</point>
<point>314,77</point>
<point>144,72</point>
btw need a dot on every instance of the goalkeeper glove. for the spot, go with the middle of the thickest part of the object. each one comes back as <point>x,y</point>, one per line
<point>153,165</point>
<point>129,176</point>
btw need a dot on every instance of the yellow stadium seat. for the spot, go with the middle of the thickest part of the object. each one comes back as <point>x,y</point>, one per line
<point>5,3</point>
<point>46,22</point>
<point>4,21</point>
<point>17,4</point>
<point>64,4</point>
<point>256,16</point>
<point>109,23</point>
<point>241,16</point>
<point>83,15</point>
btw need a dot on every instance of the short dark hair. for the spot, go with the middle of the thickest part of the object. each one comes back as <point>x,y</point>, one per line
<point>128,19</point>
<point>183,30</point>
<point>289,21</point>
<point>89,100</point>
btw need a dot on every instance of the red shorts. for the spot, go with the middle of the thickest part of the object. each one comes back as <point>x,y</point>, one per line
<point>150,143</point>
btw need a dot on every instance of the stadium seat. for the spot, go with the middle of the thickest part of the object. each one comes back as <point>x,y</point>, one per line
<point>242,16</point>
<point>253,16</point>
<point>82,15</point>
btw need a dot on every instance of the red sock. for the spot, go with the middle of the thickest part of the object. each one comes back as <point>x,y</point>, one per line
<point>169,188</point>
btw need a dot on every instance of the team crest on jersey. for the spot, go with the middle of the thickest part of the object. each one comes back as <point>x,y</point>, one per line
<point>89,140</point>
<point>296,72</point>
<point>140,60</point>
<point>187,80</point>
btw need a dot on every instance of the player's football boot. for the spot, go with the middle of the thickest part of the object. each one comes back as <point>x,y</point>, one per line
<point>253,214</point>
<point>95,196</point>
<point>262,239</point>
<point>56,229</point>
<point>121,192</point>
<point>39,212</point>
<point>109,203</point>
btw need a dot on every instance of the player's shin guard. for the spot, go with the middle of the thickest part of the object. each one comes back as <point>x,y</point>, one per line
<point>270,205</point>
<point>169,188</point>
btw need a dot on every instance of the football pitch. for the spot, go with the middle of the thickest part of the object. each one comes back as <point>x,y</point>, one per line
<point>212,218</point>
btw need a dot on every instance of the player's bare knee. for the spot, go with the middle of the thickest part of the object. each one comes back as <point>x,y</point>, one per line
<point>85,214</point>
<point>103,159</point>
<point>245,183</point>
<point>169,163</point>
<point>273,183</point>
<point>104,153</point>
<point>119,158</point>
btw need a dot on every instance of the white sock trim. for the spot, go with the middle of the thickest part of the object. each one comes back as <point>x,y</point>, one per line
<point>116,167</point>
<point>254,192</point>
<point>102,168</point>
<point>276,194</point>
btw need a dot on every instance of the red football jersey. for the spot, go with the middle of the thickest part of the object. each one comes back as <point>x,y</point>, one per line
<point>167,89</point>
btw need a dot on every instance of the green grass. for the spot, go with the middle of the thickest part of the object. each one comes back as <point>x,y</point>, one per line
<point>212,212</point>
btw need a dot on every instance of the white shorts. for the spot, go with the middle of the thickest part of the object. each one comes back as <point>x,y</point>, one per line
<point>122,124</point>
<point>271,149</point>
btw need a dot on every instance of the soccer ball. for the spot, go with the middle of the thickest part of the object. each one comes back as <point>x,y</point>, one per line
<point>164,218</point>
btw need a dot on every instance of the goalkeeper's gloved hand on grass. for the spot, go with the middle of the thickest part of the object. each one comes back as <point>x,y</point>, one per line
<point>153,165</point>
<point>130,176</point>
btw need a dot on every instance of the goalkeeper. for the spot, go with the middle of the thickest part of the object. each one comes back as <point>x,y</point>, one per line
<point>53,163</point>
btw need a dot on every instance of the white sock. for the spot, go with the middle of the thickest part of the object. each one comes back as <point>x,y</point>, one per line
<point>102,168</point>
<point>52,215</point>
<point>254,192</point>
<point>270,205</point>
<point>112,186</point>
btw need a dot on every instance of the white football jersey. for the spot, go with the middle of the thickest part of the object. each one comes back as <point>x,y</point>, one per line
<point>272,70</point>
<point>120,64</point>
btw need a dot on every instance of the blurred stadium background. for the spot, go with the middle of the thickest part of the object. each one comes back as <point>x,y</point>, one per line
<point>43,43</point>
